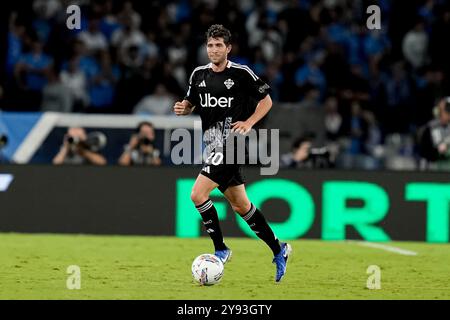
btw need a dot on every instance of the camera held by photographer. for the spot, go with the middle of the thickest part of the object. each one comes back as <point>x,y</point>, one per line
<point>141,150</point>
<point>80,148</point>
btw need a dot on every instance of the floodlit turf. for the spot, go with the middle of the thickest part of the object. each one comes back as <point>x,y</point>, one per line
<point>35,266</point>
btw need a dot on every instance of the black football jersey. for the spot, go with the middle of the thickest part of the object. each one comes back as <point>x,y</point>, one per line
<point>222,98</point>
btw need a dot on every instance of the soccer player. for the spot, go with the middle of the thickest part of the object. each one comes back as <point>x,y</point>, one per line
<point>225,94</point>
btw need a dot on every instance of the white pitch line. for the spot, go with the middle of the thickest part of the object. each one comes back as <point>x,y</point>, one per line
<point>386,248</point>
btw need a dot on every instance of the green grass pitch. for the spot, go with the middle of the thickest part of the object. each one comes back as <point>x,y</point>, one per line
<point>122,267</point>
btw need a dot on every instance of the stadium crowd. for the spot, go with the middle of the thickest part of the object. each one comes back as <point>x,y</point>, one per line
<point>376,88</point>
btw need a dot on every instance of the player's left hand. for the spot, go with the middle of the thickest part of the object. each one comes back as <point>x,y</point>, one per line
<point>242,127</point>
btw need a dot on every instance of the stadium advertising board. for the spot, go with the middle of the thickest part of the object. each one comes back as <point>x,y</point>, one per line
<point>329,205</point>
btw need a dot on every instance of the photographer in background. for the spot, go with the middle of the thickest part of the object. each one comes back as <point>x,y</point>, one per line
<point>434,139</point>
<point>299,157</point>
<point>304,155</point>
<point>80,148</point>
<point>141,150</point>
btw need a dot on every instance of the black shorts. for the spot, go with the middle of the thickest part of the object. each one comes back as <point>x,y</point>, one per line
<point>225,175</point>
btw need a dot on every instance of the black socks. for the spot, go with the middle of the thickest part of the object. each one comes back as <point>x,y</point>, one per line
<point>253,217</point>
<point>211,223</point>
<point>259,225</point>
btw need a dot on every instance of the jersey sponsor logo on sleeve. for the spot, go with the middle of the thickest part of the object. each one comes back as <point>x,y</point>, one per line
<point>263,88</point>
<point>208,101</point>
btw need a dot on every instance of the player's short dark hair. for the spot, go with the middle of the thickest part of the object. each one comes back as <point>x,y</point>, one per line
<point>219,31</point>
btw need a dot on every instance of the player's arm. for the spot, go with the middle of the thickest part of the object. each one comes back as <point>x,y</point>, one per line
<point>189,102</point>
<point>183,108</point>
<point>258,90</point>
<point>261,110</point>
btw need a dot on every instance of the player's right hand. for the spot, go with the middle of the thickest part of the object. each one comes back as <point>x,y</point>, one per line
<point>181,109</point>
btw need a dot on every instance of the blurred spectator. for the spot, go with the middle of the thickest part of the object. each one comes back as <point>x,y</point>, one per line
<point>141,150</point>
<point>374,139</point>
<point>333,119</point>
<point>434,138</point>
<point>79,148</point>
<point>75,80</point>
<point>311,96</point>
<point>32,67</point>
<point>426,11</point>
<point>103,84</point>
<point>429,85</point>
<point>16,38</point>
<point>47,8</point>
<point>310,72</point>
<point>56,96</point>
<point>132,59</point>
<point>177,54</point>
<point>149,48</point>
<point>254,24</point>
<point>158,103</point>
<point>109,21</point>
<point>135,85</point>
<point>356,87</point>
<point>85,62</point>
<point>271,44</point>
<point>274,78</point>
<point>31,70</point>
<point>376,43</point>
<point>128,12</point>
<point>45,11</point>
<point>128,41</point>
<point>415,45</point>
<point>399,96</point>
<point>93,38</point>
<point>357,130</point>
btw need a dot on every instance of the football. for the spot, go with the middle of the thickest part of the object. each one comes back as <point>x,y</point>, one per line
<point>207,269</point>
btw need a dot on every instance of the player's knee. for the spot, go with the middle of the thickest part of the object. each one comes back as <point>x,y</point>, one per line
<point>241,209</point>
<point>198,198</point>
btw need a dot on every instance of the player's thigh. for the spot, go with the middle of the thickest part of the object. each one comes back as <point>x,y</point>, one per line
<point>237,197</point>
<point>201,189</point>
